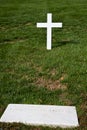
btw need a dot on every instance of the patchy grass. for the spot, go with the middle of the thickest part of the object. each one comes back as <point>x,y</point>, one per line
<point>30,74</point>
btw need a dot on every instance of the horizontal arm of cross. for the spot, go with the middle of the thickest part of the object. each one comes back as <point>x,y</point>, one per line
<point>52,25</point>
<point>42,25</point>
<point>56,25</point>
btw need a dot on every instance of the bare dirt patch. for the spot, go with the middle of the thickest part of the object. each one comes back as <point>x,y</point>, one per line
<point>50,84</point>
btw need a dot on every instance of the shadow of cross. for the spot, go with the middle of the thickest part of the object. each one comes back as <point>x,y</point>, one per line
<point>49,25</point>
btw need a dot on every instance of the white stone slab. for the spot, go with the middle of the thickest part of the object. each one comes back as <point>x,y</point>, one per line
<point>45,115</point>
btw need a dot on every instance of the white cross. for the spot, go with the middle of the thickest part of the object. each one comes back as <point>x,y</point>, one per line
<point>49,25</point>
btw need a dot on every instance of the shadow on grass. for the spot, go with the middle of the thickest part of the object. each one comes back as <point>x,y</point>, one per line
<point>64,42</point>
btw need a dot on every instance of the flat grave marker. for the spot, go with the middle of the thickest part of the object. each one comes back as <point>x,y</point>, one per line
<point>45,115</point>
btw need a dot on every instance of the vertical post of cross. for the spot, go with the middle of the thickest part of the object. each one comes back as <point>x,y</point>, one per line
<point>49,31</point>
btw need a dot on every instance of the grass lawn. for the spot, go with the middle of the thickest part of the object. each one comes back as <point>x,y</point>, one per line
<point>29,74</point>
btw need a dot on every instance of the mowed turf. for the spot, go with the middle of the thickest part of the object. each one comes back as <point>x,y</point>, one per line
<point>29,74</point>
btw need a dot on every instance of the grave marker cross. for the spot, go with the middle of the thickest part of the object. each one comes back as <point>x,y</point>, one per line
<point>49,25</point>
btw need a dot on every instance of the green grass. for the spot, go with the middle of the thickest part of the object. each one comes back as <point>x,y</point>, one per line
<point>24,60</point>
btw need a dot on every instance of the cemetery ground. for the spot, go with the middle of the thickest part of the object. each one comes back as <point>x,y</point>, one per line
<point>30,74</point>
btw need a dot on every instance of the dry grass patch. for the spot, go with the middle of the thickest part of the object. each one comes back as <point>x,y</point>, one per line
<point>29,23</point>
<point>83,107</point>
<point>64,98</point>
<point>13,41</point>
<point>50,84</point>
